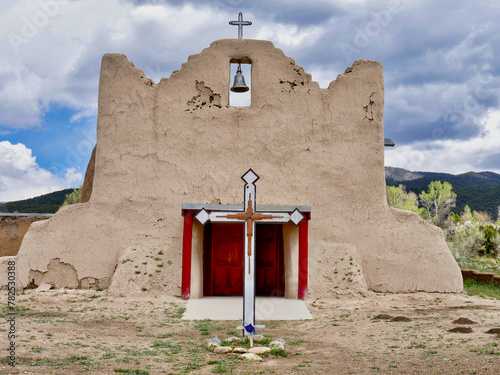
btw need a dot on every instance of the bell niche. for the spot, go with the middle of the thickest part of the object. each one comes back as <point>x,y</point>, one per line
<point>240,82</point>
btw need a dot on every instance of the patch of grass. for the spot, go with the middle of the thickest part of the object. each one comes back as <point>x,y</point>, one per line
<point>108,355</point>
<point>39,362</point>
<point>205,326</point>
<point>484,264</point>
<point>490,291</point>
<point>124,360</point>
<point>221,367</point>
<point>85,362</point>
<point>417,345</point>
<point>129,371</point>
<point>172,348</point>
<point>142,353</point>
<point>278,352</point>
<point>165,335</point>
<point>485,351</point>
<point>192,365</point>
<point>294,342</point>
<point>175,312</point>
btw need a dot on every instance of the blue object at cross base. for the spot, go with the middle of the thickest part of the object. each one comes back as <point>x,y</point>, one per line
<point>250,328</point>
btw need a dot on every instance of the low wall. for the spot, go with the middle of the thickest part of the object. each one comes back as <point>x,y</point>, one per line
<point>13,227</point>
<point>480,277</point>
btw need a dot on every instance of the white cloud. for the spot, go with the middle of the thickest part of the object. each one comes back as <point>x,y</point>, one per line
<point>290,35</point>
<point>19,98</point>
<point>72,177</point>
<point>88,112</point>
<point>451,156</point>
<point>52,53</point>
<point>21,177</point>
<point>435,67</point>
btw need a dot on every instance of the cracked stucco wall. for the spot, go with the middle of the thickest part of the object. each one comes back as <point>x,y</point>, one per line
<point>159,145</point>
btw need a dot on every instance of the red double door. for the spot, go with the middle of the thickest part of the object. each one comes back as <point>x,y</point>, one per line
<point>224,255</point>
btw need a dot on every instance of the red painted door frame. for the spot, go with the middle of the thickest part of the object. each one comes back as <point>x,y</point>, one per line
<point>187,245</point>
<point>303,257</point>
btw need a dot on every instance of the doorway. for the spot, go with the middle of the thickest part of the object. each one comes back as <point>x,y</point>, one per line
<point>223,260</point>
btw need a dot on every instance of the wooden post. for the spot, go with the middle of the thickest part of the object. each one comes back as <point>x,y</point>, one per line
<point>187,244</point>
<point>303,255</point>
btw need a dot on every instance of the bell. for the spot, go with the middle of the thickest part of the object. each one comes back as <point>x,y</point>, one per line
<point>239,82</point>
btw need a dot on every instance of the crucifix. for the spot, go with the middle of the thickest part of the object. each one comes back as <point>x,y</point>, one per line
<point>240,23</point>
<point>249,216</point>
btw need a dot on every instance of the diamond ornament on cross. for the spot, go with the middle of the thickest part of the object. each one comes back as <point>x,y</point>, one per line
<point>240,23</point>
<point>250,217</point>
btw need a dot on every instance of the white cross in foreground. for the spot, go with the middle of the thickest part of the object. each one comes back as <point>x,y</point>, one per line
<point>249,216</point>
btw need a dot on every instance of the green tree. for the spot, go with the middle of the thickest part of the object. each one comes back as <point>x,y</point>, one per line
<point>438,201</point>
<point>472,234</point>
<point>73,198</point>
<point>489,246</point>
<point>400,198</point>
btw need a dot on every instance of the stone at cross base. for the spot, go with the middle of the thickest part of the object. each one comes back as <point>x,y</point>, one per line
<point>249,330</point>
<point>162,144</point>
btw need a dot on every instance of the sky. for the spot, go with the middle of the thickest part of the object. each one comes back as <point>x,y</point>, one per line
<point>440,58</point>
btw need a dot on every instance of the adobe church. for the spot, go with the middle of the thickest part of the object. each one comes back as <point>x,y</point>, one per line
<point>167,151</point>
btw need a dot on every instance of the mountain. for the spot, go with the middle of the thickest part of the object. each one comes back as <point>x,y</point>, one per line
<point>47,203</point>
<point>479,190</point>
<point>400,174</point>
<point>412,179</point>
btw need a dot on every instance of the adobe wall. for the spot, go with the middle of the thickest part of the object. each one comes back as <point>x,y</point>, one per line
<point>178,141</point>
<point>12,231</point>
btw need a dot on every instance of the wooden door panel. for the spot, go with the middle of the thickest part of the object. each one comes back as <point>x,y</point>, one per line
<point>227,259</point>
<point>269,278</point>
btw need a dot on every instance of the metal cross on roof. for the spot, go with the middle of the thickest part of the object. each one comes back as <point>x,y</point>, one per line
<point>250,217</point>
<point>240,23</point>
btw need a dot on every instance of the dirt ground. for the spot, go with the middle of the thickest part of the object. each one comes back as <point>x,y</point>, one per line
<point>92,332</point>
